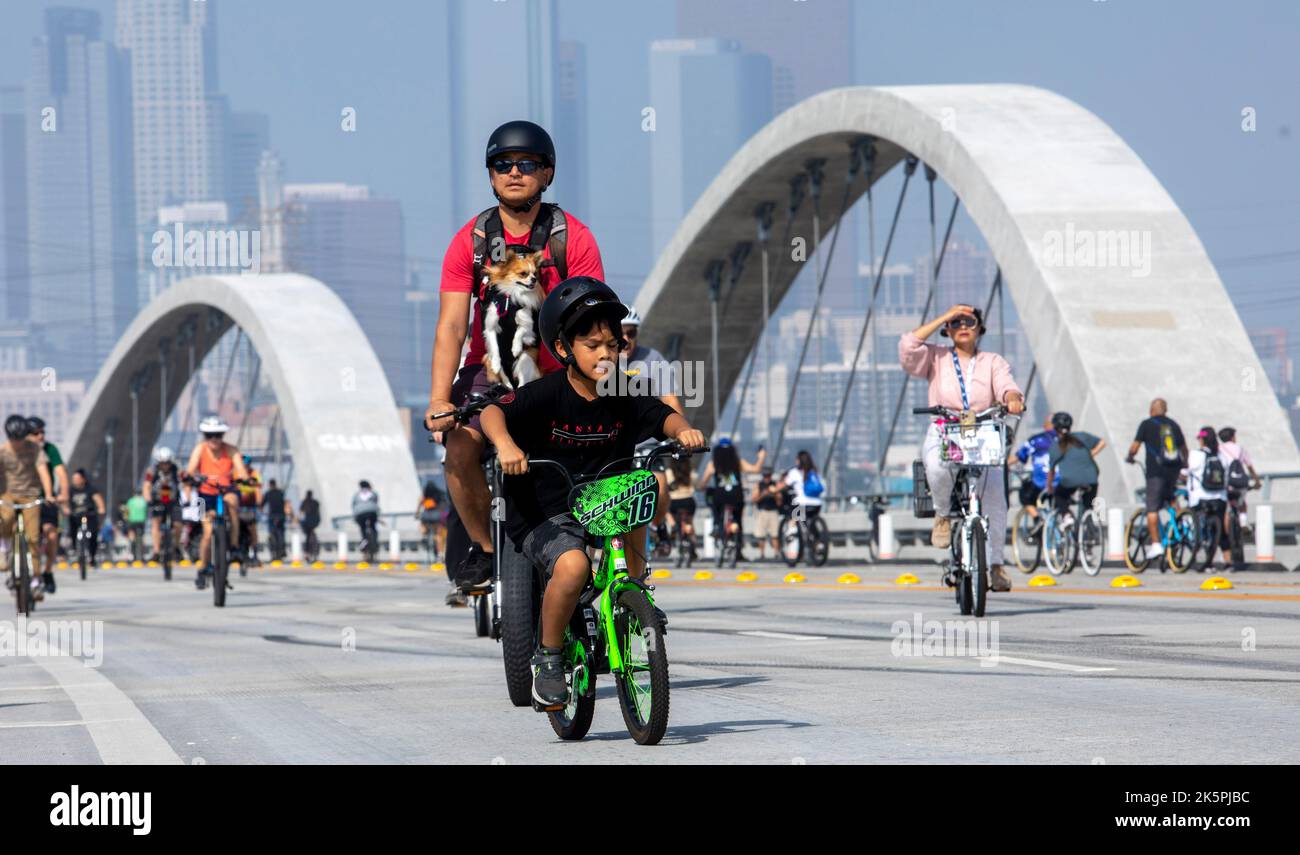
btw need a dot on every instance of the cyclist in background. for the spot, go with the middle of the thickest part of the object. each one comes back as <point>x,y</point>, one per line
<point>220,463</point>
<point>137,516</point>
<point>1072,462</point>
<point>85,500</point>
<point>162,490</point>
<point>276,508</point>
<point>250,497</point>
<point>723,474</point>
<point>1207,484</point>
<point>429,512</point>
<point>806,485</point>
<point>1165,458</point>
<point>1240,469</point>
<point>309,519</point>
<point>365,510</point>
<point>681,500</point>
<point>56,501</point>
<point>767,501</point>
<point>1034,453</point>
<point>191,518</point>
<point>24,477</point>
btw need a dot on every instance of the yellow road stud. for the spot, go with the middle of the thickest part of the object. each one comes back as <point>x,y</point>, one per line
<point>1216,583</point>
<point>794,578</point>
<point>1042,580</point>
<point>747,576</point>
<point>703,575</point>
<point>849,579</point>
<point>907,579</point>
<point>1125,581</point>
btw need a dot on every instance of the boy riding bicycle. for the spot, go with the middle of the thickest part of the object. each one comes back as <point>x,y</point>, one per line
<point>577,418</point>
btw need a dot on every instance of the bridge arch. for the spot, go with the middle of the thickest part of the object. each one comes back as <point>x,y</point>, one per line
<point>337,408</point>
<point>1030,166</point>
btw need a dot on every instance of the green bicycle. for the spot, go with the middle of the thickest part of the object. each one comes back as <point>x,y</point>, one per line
<point>615,628</point>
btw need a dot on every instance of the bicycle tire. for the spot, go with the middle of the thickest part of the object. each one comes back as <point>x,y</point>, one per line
<point>819,537</point>
<point>165,541</point>
<point>482,615</point>
<point>520,611</point>
<point>634,612</point>
<point>1092,543</point>
<point>1023,541</point>
<point>1237,547</point>
<point>573,722</point>
<point>979,579</point>
<point>1056,546</point>
<point>220,564</point>
<point>791,548</point>
<point>23,594</point>
<point>1135,542</point>
<point>1181,550</point>
<point>1208,535</point>
<point>82,557</point>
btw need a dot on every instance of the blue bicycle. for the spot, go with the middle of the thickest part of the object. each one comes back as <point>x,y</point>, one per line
<point>1176,527</point>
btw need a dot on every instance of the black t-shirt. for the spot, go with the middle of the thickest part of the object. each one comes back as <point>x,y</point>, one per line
<point>310,511</point>
<point>766,501</point>
<point>549,419</point>
<point>83,502</point>
<point>273,501</point>
<point>1149,434</point>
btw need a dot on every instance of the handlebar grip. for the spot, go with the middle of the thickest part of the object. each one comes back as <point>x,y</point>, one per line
<point>924,411</point>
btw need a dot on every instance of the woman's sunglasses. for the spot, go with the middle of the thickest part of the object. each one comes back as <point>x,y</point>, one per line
<point>502,166</point>
<point>958,323</point>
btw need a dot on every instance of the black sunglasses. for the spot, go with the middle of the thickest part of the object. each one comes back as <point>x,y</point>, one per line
<point>965,321</point>
<point>502,166</point>
<point>629,332</point>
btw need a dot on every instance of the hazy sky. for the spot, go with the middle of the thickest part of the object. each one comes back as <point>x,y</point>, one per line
<point>1171,76</point>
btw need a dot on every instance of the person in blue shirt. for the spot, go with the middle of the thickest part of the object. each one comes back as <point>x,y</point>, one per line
<point>1034,451</point>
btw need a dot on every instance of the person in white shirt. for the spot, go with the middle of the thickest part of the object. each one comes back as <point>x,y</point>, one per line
<point>1214,499</point>
<point>805,471</point>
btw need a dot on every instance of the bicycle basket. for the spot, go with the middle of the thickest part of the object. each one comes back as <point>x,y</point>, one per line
<point>616,504</point>
<point>982,444</point>
<point>922,501</point>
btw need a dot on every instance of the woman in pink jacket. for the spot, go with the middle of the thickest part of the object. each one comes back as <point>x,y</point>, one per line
<point>962,377</point>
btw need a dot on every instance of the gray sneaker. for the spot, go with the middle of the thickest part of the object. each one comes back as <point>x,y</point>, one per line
<point>550,691</point>
<point>456,598</point>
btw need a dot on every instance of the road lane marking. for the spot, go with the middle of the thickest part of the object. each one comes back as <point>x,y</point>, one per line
<point>762,633</point>
<point>77,723</point>
<point>121,732</point>
<point>1041,663</point>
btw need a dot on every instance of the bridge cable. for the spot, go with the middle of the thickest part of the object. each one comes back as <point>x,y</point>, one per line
<point>230,364</point>
<point>925,310</point>
<point>763,218</point>
<point>849,177</point>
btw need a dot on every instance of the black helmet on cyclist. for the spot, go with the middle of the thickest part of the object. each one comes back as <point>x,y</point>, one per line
<point>17,427</point>
<point>35,424</point>
<point>979,323</point>
<point>1062,421</point>
<point>526,138</point>
<point>571,301</point>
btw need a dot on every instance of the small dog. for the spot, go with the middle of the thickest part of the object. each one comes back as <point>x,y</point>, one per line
<point>514,296</point>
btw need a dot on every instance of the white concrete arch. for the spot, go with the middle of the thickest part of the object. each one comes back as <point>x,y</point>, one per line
<point>1031,168</point>
<point>336,406</point>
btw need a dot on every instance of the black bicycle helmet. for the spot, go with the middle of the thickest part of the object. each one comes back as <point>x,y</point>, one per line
<point>979,319</point>
<point>569,302</point>
<point>35,424</point>
<point>520,136</point>
<point>17,427</point>
<point>1062,421</point>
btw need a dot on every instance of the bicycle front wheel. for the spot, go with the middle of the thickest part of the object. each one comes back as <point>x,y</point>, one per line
<point>1136,538</point>
<point>1181,549</point>
<point>643,683</point>
<point>978,570</point>
<point>220,564</point>
<point>1234,541</point>
<point>1027,541</point>
<point>819,537</point>
<point>791,540</point>
<point>24,590</point>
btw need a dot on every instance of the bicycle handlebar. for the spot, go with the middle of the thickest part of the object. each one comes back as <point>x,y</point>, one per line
<point>982,416</point>
<point>474,404</point>
<point>668,447</point>
<point>22,506</point>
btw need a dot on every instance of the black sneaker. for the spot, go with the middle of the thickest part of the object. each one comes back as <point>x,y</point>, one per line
<point>550,691</point>
<point>475,571</point>
<point>456,598</point>
<point>201,580</point>
<point>48,578</point>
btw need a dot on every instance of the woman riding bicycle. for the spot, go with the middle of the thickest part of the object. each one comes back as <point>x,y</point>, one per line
<point>1072,464</point>
<point>724,472</point>
<point>962,377</point>
<point>681,501</point>
<point>803,481</point>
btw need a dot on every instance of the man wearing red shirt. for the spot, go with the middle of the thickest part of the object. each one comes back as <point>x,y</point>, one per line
<point>520,160</point>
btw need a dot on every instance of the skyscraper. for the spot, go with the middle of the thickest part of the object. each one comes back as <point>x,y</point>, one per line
<point>15,285</point>
<point>709,97</point>
<point>570,131</point>
<point>81,259</point>
<point>179,117</point>
<point>249,135</point>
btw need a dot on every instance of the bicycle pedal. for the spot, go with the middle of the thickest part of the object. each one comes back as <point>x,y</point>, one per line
<point>548,709</point>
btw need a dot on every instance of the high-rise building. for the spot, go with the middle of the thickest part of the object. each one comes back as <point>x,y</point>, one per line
<point>354,244</point>
<point>80,223</point>
<point>179,117</point>
<point>15,283</point>
<point>709,97</point>
<point>483,97</point>
<point>570,131</point>
<point>249,136</point>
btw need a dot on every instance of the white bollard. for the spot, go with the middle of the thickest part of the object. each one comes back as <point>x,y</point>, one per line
<point>343,546</point>
<point>1115,535</point>
<point>395,545</point>
<point>710,550</point>
<point>885,546</point>
<point>1264,533</point>
<point>295,546</point>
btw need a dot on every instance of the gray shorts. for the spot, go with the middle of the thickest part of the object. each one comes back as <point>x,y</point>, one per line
<point>1161,485</point>
<point>544,545</point>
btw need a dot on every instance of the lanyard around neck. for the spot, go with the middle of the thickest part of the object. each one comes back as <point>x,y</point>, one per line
<point>961,381</point>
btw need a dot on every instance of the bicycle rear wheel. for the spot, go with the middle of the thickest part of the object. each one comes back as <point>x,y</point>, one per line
<point>23,594</point>
<point>1136,538</point>
<point>1209,531</point>
<point>482,615</point>
<point>520,609</point>
<point>83,558</point>
<point>165,541</point>
<point>1027,541</point>
<point>573,722</point>
<point>643,684</point>
<point>819,540</point>
<point>1181,549</point>
<point>1235,544</point>
<point>1092,542</point>
<point>791,540</point>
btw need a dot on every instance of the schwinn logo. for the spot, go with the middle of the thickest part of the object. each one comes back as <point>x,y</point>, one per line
<point>605,506</point>
<point>74,808</point>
